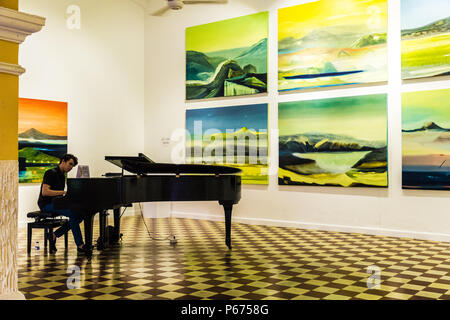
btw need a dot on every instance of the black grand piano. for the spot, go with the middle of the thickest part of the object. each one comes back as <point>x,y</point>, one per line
<point>149,182</point>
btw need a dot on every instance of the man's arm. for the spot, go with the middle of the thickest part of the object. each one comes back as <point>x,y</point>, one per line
<point>47,192</point>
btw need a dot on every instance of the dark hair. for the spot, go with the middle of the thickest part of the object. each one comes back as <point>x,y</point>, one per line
<point>67,157</point>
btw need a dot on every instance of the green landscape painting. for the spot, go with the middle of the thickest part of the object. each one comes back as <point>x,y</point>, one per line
<point>425,38</point>
<point>42,137</point>
<point>334,142</point>
<point>426,139</point>
<point>232,136</point>
<point>331,43</point>
<point>227,58</point>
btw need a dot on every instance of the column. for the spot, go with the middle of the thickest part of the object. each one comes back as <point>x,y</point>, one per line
<point>15,26</point>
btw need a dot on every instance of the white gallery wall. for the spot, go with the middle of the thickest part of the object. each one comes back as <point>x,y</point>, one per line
<point>97,69</point>
<point>391,211</point>
<point>123,76</point>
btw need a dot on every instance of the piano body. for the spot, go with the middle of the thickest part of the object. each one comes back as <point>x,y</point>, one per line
<point>150,182</point>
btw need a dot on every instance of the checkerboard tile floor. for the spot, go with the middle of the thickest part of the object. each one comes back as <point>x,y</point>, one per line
<point>265,263</point>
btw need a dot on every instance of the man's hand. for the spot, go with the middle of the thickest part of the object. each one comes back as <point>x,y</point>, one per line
<point>47,192</point>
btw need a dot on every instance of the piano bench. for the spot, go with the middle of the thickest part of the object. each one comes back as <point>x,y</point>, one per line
<point>48,222</point>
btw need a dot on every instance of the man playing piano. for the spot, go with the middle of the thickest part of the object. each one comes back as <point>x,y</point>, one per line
<point>53,186</point>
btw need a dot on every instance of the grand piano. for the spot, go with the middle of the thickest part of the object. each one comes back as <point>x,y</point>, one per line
<point>149,182</point>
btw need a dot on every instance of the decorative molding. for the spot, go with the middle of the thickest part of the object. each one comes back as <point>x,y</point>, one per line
<point>9,68</point>
<point>15,26</point>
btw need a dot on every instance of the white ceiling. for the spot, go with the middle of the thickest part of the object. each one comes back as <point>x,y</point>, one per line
<point>143,3</point>
<point>150,6</point>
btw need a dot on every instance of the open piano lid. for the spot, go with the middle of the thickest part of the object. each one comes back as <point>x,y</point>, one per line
<point>143,165</point>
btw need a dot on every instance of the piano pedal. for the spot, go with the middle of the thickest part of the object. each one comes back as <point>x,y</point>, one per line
<point>173,240</point>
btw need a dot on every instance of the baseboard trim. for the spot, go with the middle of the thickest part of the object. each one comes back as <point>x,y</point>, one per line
<point>305,225</point>
<point>444,237</point>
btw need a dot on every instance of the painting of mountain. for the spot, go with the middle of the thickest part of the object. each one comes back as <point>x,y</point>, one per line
<point>42,137</point>
<point>334,142</point>
<point>232,136</point>
<point>227,58</point>
<point>425,38</point>
<point>329,43</point>
<point>426,139</point>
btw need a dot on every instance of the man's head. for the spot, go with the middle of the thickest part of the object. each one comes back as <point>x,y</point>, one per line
<point>67,162</point>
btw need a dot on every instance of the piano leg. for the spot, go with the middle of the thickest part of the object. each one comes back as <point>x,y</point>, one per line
<point>116,225</point>
<point>88,228</point>
<point>228,209</point>
<point>102,241</point>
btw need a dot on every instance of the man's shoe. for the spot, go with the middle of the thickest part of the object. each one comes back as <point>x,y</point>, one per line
<point>52,242</point>
<point>82,249</point>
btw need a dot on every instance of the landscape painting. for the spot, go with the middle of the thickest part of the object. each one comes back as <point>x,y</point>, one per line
<point>331,43</point>
<point>426,139</point>
<point>334,142</point>
<point>425,38</point>
<point>227,58</point>
<point>42,137</point>
<point>232,136</point>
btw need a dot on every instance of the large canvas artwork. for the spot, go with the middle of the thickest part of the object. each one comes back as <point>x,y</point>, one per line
<point>330,43</point>
<point>425,38</point>
<point>42,137</point>
<point>334,142</point>
<point>232,136</point>
<point>426,139</point>
<point>227,58</point>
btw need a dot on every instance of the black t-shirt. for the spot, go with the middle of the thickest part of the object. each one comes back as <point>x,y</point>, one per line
<point>56,180</point>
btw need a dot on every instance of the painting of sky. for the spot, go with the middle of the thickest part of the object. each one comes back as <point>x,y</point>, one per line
<point>42,137</point>
<point>330,43</point>
<point>227,58</point>
<point>425,38</point>
<point>333,142</point>
<point>426,139</point>
<point>235,136</point>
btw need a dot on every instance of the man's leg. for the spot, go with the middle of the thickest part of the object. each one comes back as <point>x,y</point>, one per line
<point>63,229</point>
<point>73,224</point>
